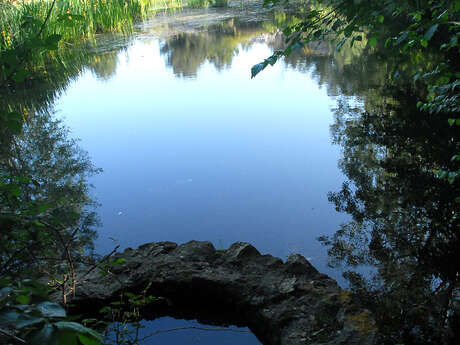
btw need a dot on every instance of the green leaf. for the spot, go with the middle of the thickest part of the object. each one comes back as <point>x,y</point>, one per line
<point>387,41</point>
<point>37,289</point>
<point>74,326</point>
<point>442,174</point>
<point>23,299</point>
<point>51,309</point>
<point>424,43</point>
<point>85,340</point>
<point>42,207</point>
<point>14,190</point>
<point>14,115</point>
<point>401,38</point>
<point>11,58</point>
<point>373,41</point>
<point>287,31</point>
<point>37,223</point>
<point>417,17</point>
<point>256,69</point>
<point>67,337</point>
<point>430,32</point>
<point>443,16</point>
<point>51,42</point>
<point>105,309</point>
<point>451,121</point>
<point>452,176</point>
<point>20,75</point>
<point>117,262</point>
<point>380,18</point>
<point>26,320</point>
<point>15,126</point>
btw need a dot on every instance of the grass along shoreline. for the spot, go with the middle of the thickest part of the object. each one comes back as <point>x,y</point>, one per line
<point>72,19</point>
<point>76,19</point>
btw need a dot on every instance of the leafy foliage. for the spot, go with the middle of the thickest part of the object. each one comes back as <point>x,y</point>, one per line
<point>26,315</point>
<point>45,213</point>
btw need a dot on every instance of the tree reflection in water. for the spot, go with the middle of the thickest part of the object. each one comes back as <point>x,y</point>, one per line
<point>405,219</point>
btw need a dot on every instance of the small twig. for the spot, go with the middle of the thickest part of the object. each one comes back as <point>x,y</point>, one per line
<point>105,258</point>
<point>63,285</point>
<point>65,245</point>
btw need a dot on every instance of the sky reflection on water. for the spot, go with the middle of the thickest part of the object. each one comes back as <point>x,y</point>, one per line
<point>213,156</point>
<point>220,157</point>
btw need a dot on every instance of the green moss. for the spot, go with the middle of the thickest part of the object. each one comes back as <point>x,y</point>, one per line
<point>362,322</point>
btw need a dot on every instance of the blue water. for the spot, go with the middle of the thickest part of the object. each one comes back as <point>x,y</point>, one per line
<point>212,156</point>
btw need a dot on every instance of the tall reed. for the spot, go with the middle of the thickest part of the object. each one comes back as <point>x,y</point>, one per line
<point>73,19</point>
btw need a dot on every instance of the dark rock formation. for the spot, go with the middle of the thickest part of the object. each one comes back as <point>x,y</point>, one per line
<point>282,303</point>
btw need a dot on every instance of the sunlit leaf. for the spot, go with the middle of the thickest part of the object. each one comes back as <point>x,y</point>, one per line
<point>373,41</point>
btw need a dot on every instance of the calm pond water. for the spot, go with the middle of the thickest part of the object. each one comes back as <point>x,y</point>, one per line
<point>192,149</point>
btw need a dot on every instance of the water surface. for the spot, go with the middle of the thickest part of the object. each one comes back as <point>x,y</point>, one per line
<point>203,152</point>
<point>193,149</point>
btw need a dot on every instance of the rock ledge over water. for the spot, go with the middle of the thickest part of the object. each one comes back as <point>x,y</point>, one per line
<point>287,303</point>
